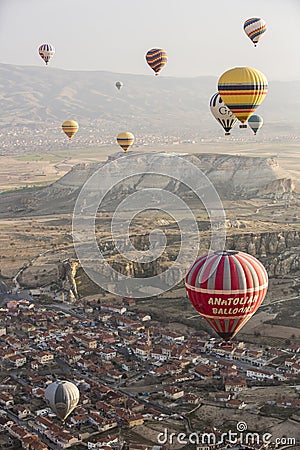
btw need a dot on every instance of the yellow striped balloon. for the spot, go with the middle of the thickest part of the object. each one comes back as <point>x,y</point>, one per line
<point>125,140</point>
<point>70,127</point>
<point>242,89</point>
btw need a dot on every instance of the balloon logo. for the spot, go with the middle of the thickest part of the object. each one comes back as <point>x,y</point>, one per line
<point>46,52</point>
<point>70,127</point>
<point>226,288</point>
<point>156,59</point>
<point>242,89</point>
<point>254,29</point>
<point>125,140</point>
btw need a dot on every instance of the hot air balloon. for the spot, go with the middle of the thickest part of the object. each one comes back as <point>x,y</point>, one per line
<point>157,59</point>
<point>242,89</point>
<point>220,112</point>
<point>63,397</point>
<point>70,127</point>
<point>119,85</point>
<point>226,288</point>
<point>255,28</point>
<point>255,122</point>
<point>46,51</point>
<point>125,140</point>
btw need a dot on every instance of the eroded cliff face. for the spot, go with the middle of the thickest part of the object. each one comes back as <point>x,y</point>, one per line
<point>278,251</point>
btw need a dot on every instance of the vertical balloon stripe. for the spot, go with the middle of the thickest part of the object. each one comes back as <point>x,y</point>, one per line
<point>219,271</point>
<point>191,277</point>
<point>239,282</point>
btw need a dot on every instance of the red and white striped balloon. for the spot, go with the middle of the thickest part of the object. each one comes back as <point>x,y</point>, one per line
<point>226,288</point>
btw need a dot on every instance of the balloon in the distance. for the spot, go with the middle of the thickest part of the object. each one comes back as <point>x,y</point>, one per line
<point>46,51</point>
<point>119,85</point>
<point>125,140</point>
<point>254,29</point>
<point>221,113</point>
<point>255,122</point>
<point>157,58</point>
<point>242,89</point>
<point>226,288</point>
<point>63,397</point>
<point>70,127</point>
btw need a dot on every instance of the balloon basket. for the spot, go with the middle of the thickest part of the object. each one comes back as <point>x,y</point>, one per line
<point>226,345</point>
<point>243,125</point>
<point>227,134</point>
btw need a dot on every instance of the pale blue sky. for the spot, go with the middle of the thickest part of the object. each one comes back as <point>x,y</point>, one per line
<point>200,37</point>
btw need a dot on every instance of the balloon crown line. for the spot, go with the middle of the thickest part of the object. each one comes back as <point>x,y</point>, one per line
<point>226,252</point>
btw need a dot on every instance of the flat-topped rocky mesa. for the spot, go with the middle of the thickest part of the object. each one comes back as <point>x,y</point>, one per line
<point>234,177</point>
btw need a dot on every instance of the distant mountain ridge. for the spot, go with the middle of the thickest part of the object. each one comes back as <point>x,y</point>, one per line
<point>41,96</point>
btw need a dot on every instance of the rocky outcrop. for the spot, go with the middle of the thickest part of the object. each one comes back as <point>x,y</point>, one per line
<point>278,251</point>
<point>60,275</point>
<point>68,281</point>
<point>277,189</point>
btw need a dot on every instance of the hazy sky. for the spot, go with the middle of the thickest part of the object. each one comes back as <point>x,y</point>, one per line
<point>201,37</point>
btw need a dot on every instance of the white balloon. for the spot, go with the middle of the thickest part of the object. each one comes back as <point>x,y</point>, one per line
<point>221,113</point>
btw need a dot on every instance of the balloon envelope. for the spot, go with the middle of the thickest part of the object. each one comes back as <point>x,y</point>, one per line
<point>46,51</point>
<point>119,85</point>
<point>70,127</point>
<point>226,288</point>
<point>255,122</point>
<point>125,140</point>
<point>221,113</point>
<point>63,397</point>
<point>255,28</point>
<point>157,58</point>
<point>242,89</point>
